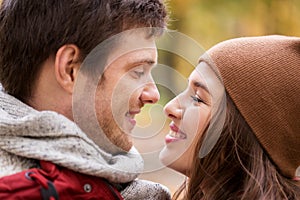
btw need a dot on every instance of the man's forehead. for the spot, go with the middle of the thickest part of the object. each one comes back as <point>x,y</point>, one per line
<point>139,55</point>
<point>134,43</point>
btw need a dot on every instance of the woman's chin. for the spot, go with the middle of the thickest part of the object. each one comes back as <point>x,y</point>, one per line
<point>172,162</point>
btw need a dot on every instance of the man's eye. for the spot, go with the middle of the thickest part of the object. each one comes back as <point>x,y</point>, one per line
<point>197,99</point>
<point>139,73</point>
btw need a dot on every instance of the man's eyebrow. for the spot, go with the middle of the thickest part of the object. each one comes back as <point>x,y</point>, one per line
<point>200,85</point>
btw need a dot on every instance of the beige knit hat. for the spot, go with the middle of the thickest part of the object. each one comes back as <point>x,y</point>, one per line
<point>262,76</point>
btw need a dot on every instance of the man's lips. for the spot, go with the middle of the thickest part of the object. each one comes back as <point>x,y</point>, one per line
<point>175,134</point>
<point>134,112</point>
<point>130,116</point>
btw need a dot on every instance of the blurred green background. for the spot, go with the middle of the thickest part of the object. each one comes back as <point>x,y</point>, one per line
<point>212,21</point>
<point>209,22</point>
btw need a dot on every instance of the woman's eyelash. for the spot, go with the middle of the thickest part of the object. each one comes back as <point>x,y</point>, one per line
<point>198,100</point>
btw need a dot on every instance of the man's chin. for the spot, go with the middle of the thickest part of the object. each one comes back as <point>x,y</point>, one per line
<point>126,147</point>
<point>123,141</point>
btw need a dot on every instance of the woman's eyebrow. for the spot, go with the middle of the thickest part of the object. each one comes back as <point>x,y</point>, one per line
<point>200,85</point>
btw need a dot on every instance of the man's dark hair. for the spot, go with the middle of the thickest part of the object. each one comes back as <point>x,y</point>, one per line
<point>31,31</point>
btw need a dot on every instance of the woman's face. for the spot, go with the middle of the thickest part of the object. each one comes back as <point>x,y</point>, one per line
<point>190,113</point>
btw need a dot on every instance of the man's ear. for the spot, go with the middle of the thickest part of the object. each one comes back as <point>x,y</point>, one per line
<point>67,64</point>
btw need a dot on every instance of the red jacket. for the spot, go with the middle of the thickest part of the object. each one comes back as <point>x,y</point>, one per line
<point>52,182</point>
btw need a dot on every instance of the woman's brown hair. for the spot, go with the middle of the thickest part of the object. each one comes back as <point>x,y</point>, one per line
<point>236,168</point>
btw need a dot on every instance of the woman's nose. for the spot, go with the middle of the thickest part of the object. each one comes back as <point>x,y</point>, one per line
<point>173,109</point>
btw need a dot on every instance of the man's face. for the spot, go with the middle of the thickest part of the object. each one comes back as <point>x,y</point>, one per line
<point>125,87</point>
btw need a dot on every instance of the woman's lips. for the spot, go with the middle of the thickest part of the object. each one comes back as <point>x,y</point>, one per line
<point>175,134</point>
<point>173,127</point>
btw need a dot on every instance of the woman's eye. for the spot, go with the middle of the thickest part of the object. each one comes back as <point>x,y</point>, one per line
<point>197,99</point>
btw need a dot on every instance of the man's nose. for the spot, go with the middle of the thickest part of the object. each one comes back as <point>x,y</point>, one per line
<point>150,93</point>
